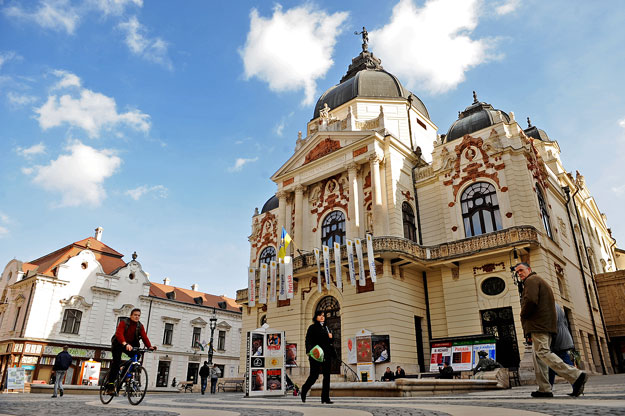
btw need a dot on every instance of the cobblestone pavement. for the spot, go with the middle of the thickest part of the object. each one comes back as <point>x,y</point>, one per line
<point>604,395</point>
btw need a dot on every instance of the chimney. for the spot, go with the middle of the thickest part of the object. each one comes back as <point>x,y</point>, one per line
<point>98,233</point>
<point>166,281</point>
<point>195,287</point>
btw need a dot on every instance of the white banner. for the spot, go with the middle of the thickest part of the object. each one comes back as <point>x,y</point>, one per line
<point>371,257</point>
<point>282,289</point>
<point>319,285</point>
<point>251,287</point>
<point>326,264</point>
<point>350,262</point>
<point>272,281</point>
<point>361,264</point>
<point>337,265</point>
<point>262,290</point>
<point>288,273</point>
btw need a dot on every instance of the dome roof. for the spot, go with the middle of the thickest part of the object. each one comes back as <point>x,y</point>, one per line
<point>475,117</point>
<point>365,77</point>
<point>271,204</point>
<point>535,132</point>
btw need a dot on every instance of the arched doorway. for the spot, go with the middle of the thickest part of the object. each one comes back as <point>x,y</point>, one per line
<point>332,310</point>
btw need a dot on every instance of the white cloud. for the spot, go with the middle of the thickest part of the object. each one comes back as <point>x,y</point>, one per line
<point>137,193</point>
<point>292,49</point>
<point>444,50</point>
<point>50,14</point>
<point>78,175</point>
<point>3,232</point>
<point>239,163</point>
<point>31,151</point>
<point>20,100</point>
<point>7,56</point>
<point>114,7</point>
<point>622,123</point>
<point>4,218</point>
<point>506,6</point>
<point>152,49</point>
<point>87,110</point>
<point>67,80</point>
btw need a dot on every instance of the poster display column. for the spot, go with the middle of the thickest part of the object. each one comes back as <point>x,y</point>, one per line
<point>265,364</point>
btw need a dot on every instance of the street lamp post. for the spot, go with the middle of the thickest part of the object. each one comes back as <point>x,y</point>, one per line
<point>212,325</point>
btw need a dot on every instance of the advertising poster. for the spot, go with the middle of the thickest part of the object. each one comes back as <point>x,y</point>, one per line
<point>288,275</point>
<point>291,355</point>
<point>440,353</point>
<point>274,344</point>
<point>462,357</point>
<point>273,362</point>
<point>258,380</point>
<point>380,347</point>
<point>257,344</point>
<point>274,380</point>
<point>363,348</point>
<point>351,351</point>
<point>366,372</point>
<point>257,362</point>
<point>15,378</point>
<point>489,348</point>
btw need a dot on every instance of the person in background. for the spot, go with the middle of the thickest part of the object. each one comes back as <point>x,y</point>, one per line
<point>539,320</point>
<point>446,372</point>
<point>318,334</point>
<point>562,343</point>
<point>399,373</point>
<point>61,363</point>
<point>388,375</point>
<point>204,373</point>
<point>215,373</point>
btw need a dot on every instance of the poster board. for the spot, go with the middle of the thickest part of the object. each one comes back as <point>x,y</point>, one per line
<point>15,378</point>
<point>440,353</point>
<point>380,348</point>
<point>90,373</point>
<point>265,363</point>
<point>291,355</point>
<point>490,349</point>
<point>462,357</point>
<point>366,371</point>
<point>351,351</point>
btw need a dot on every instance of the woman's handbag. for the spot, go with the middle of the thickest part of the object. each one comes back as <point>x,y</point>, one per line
<point>316,353</point>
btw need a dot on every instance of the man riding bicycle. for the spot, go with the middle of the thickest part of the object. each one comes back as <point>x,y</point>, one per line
<point>126,337</point>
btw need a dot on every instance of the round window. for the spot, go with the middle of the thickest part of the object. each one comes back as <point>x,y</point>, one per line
<point>493,286</point>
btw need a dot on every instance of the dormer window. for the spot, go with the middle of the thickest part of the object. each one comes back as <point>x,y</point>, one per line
<point>222,304</point>
<point>171,295</point>
<point>198,300</point>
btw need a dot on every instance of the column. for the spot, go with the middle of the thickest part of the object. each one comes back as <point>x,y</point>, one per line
<point>353,226</point>
<point>378,216</point>
<point>299,214</point>
<point>281,212</point>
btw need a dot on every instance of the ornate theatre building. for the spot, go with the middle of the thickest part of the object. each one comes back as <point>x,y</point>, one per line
<point>449,214</point>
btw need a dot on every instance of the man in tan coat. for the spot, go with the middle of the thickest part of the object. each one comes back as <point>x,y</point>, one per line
<point>539,320</point>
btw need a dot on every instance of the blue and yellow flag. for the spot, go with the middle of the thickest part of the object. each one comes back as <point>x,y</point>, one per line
<point>285,240</point>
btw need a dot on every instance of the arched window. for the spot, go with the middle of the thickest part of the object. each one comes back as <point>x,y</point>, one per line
<point>71,321</point>
<point>410,231</point>
<point>333,229</point>
<point>267,255</point>
<point>544,213</point>
<point>480,209</point>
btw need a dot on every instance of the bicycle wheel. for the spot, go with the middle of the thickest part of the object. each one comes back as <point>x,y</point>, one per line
<point>105,397</point>
<point>137,385</point>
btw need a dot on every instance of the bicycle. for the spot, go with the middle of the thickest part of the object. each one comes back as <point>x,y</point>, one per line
<point>134,381</point>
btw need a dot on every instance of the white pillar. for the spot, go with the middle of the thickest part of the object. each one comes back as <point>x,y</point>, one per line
<point>378,215</point>
<point>299,214</point>
<point>281,212</point>
<point>353,226</point>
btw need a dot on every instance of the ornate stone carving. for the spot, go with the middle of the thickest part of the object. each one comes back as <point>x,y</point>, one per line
<point>562,227</point>
<point>329,194</point>
<point>407,195</point>
<point>324,148</point>
<point>268,234</point>
<point>536,165</point>
<point>352,167</point>
<point>360,151</point>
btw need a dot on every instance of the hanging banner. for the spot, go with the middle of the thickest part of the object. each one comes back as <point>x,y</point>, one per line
<point>361,264</point>
<point>282,290</point>
<point>272,281</point>
<point>337,265</point>
<point>288,273</point>
<point>371,257</point>
<point>350,262</point>
<point>251,287</point>
<point>326,264</point>
<point>319,285</point>
<point>262,290</point>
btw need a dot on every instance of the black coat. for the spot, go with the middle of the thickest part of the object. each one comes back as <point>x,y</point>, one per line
<point>205,371</point>
<point>62,362</point>
<point>318,335</point>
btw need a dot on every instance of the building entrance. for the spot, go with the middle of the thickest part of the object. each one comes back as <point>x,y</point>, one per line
<point>500,323</point>
<point>330,306</point>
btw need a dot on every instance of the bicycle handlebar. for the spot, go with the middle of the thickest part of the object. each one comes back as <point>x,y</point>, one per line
<point>135,349</point>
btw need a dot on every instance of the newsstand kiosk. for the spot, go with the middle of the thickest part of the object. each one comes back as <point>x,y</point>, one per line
<point>265,364</point>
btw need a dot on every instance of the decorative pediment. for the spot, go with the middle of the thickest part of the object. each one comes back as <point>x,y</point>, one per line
<point>170,320</point>
<point>76,302</point>
<point>124,310</point>
<point>224,325</point>
<point>323,148</point>
<point>199,322</point>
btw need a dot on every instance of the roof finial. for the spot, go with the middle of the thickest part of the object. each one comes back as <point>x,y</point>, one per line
<point>474,98</point>
<point>134,255</point>
<point>529,123</point>
<point>365,39</point>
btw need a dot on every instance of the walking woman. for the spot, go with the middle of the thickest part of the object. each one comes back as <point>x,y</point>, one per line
<point>319,335</point>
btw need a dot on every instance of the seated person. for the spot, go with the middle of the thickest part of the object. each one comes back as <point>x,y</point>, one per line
<point>388,375</point>
<point>446,372</point>
<point>485,364</point>
<point>400,373</point>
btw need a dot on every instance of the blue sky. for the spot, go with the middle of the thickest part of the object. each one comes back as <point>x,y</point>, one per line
<point>163,123</point>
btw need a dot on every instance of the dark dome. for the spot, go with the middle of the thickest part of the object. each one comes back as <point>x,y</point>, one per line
<point>535,132</point>
<point>366,78</point>
<point>272,203</point>
<point>475,117</point>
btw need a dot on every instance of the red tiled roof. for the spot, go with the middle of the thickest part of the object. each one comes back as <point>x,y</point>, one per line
<point>160,290</point>
<point>106,256</point>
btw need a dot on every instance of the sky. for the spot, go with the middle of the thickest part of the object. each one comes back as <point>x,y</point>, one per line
<point>162,122</point>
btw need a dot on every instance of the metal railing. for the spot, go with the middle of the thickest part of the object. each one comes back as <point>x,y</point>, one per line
<point>348,372</point>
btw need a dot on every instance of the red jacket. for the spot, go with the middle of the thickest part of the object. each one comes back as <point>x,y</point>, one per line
<point>126,332</point>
